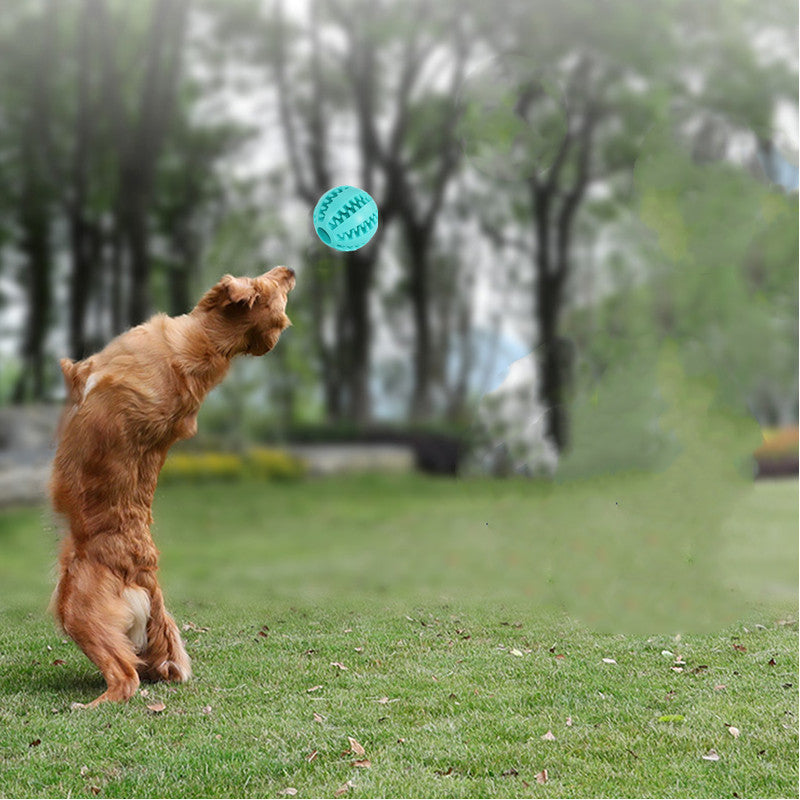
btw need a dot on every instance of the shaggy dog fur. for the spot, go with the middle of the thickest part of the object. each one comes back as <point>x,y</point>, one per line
<point>126,406</point>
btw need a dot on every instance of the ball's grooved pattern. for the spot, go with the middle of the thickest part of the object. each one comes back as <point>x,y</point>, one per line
<point>346,215</point>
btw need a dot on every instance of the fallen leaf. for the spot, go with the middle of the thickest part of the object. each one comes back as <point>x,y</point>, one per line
<point>361,764</point>
<point>94,789</point>
<point>190,626</point>
<point>59,662</point>
<point>772,662</point>
<point>711,755</point>
<point>338,664</point>
<point>314,688</point>
<point>677,669</point>
<point>515,652</point>
<point>569,722</point>
<point>84,771</point>
<point>345,787</point>
<point>549,736</point>
<point>383,700</point>
<point>318,717</point>
<point>733,731</point>
<point>560,656</point>
<point>35,743</point>
<point>444,774</point>
<point>144,692</point>
<point>206,709</point>
<point>401,740</point>
<point>740,648</point>
<point>609,661</point>
<point>667,653</point>
<point>509,773</point>
<point>312,755</point>
<point>541,777</point>
<point>289,790</point>
<point>156,708</point>
<point>719,687</point>
<point>355,747</point>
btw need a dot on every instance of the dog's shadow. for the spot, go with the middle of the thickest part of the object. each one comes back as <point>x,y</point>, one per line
<point>65,684</point>
<point>62,683</point>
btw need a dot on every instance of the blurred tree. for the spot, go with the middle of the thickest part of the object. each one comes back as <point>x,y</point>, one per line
<point>141,136</point>
<point>566,102</point>
<point>27,138</point>
<point>419,160</point>
<point>373,73</point>
<point>311,89</point>
<point>107,165</point>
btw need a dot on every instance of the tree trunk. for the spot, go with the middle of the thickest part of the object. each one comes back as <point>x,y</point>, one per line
<point>34,221</point>
<point>553,371</point>
<point>357,332</point>
<point>140,159</point>
<point>548,302</point>
<point>421,403</point>
<point>80,275</point>
<point>554,210</point>
<point>34,218</point>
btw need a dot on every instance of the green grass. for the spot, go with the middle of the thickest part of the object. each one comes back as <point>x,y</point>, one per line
<point>466,615</point>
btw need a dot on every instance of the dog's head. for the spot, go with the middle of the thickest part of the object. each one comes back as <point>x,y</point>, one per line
<point>247,315</point>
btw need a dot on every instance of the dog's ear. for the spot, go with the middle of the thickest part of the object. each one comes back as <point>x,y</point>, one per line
<point>240,290</point>
<point>229,291</point>
<point>75,374</point>
<point>68,368</point>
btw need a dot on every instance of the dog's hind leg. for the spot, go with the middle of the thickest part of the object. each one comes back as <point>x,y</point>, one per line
<point>93,611</point>
<point>165,658</point>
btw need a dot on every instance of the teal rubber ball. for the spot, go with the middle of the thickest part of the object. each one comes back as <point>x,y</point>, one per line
<point>345,218</point>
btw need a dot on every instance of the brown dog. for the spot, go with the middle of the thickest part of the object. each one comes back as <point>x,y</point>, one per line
<point>126,406</point>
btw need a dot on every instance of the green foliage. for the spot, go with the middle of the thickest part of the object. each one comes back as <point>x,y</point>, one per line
<point>727,271</point>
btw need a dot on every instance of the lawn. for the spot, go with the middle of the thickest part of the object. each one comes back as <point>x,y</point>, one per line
<point>408,637</point>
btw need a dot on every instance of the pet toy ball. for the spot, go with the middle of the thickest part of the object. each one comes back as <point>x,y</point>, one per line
<point>345,218</point>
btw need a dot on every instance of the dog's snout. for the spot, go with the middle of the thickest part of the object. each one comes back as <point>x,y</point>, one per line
<point>284,275</point>
<point>290,277</point>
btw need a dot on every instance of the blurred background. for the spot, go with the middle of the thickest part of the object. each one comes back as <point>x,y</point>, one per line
<point>565,189</point>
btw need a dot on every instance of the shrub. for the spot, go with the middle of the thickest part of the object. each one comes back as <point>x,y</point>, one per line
<point>263,463</point>
<point>195,467</point>
<point>778,453</point>
<point>778,443</point>
<point>274,464</point>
